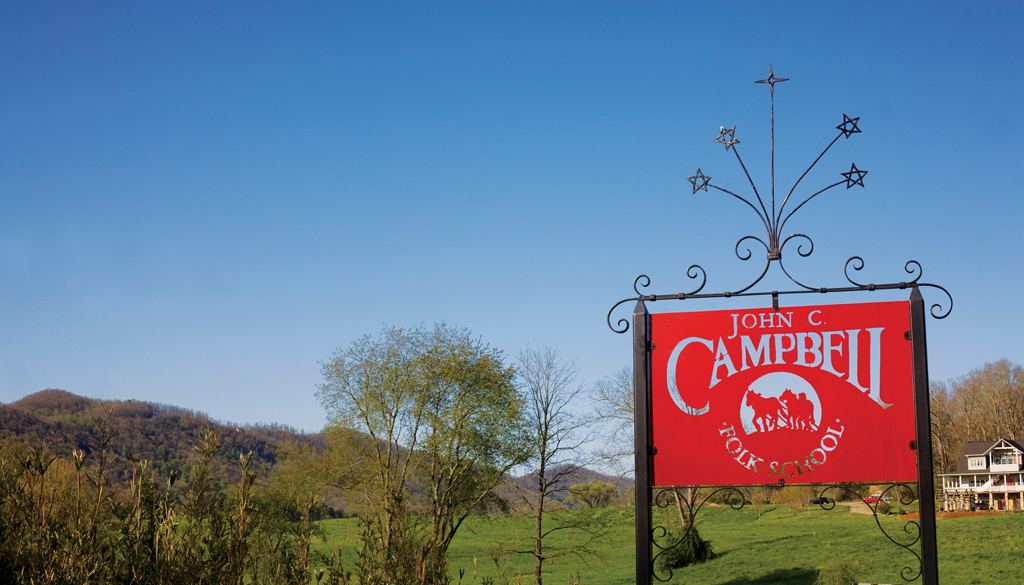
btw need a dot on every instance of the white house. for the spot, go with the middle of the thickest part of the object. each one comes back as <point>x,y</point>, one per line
<point>988,472</point>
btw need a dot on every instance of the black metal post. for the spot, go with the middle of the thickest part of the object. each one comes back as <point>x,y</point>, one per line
<point>642,441</point>
<point>922,409</point>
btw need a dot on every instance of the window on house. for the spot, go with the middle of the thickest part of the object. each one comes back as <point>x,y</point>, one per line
<point>1003,458</point>
<point>976,463</point>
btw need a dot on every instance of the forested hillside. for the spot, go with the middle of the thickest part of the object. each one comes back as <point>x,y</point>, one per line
<point>61,422</point>
<point>986,404</point>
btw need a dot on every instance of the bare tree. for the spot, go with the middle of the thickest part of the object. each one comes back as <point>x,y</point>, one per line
<point>759,498</point>
<point>558,435</point>
<point>613,398</point>
<point>984,405</point>
<point>945,442</point>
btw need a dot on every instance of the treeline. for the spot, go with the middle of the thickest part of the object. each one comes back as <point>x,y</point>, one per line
<point>428,426</point>
<point>66,521</point>
<point>986,404</point>
<point>165,436</point>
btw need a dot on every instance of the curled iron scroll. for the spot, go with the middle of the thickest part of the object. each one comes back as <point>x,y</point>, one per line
<point>800,251</point>
<point>746,257</point>
<point>904,495</point>
<point>667,497</point>
<point>694,272</point>
<point>913,268</point>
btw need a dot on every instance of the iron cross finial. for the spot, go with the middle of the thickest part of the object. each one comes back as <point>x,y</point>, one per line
<point>771,80</point>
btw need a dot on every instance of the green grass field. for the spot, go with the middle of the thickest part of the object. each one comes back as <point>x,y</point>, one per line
<point>780,547</point>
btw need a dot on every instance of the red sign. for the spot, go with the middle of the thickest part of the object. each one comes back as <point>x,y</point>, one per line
<point>807,394</point>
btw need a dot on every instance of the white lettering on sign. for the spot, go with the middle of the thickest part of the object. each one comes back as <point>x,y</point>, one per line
<point>808,349</point>
<point>762,320</point>
<point>734,446</point>
<point>817,457</point>
<point>673,389</point>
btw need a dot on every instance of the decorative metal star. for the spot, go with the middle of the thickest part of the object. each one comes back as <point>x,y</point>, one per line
<point>854,177</point>
<point>771,80</point>
<point>727,137</point>
<point>849,126</point>
<point>702,179</point>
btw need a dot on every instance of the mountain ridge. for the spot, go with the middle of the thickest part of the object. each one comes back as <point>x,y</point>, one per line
<point>62,422</point>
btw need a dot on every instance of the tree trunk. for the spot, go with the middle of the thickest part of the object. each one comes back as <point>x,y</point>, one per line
<point>683,518</point>
<point>538,549</point>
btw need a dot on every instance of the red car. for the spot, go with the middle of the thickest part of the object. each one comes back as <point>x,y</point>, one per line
<point>875,497</point>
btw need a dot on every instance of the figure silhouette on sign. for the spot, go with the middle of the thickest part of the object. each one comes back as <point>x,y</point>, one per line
<point>799,411</point>
<point>780,401</point>
<point>766,411</point>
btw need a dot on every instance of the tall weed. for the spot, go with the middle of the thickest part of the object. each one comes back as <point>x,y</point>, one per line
<point>64,522</point>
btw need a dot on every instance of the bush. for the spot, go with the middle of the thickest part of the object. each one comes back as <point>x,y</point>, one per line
<point>835,573</point>
<point>883,508</point>
<point>692,549</point>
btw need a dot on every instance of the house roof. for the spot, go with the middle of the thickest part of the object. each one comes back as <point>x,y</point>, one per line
<point>982,448</point>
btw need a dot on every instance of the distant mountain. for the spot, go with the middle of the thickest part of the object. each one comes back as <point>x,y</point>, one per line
<point>61,422</point>
<point>520,490</point>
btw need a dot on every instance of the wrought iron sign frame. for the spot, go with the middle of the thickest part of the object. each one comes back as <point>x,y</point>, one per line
<point>652,539</point>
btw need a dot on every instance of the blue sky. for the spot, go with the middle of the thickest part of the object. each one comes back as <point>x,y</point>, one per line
<point>199,204</point>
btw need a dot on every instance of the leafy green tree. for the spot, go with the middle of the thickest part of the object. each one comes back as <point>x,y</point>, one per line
<point>593,494</point>
<point>431,407</point>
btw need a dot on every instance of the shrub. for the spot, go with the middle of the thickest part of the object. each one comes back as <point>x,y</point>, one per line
<point>66,522</point>
<point>884,508</point>
<point>593,494</point>
<point>692,549</point>
<point>836,573</point>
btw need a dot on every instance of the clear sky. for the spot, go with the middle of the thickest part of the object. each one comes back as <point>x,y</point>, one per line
<point>200,202</point>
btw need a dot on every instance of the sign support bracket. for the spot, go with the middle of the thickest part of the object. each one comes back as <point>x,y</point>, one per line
<point>922,408</point>
<point>772,214</point>
<point>642,440</point>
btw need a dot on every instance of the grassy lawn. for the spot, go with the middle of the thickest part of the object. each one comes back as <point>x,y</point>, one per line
<point>780,547</point>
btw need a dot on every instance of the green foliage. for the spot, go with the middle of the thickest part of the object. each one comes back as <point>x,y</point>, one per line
<point>592,494</point>
<point>778,548</point>
<point>690,549</point>
<point>432,408</point>
<point>63,521</point>
<point>836,573</point>
<point>161,434</point>
<point>629,496</point>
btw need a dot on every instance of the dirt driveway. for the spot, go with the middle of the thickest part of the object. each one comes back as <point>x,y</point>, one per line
<point>856,507</point>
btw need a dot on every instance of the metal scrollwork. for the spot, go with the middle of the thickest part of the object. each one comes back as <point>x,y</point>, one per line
<point>670,496</point>
<point>767,264</point>
<point>800,251</point>
<point>936,309</point>
<point>858,264</point>
<point>694,272</point>
<point>646,283</point>
<point>774,218</point>
<point>623,324</point>
<point>691,273</point>
<point>913,268</point>
<point>905,496</point>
